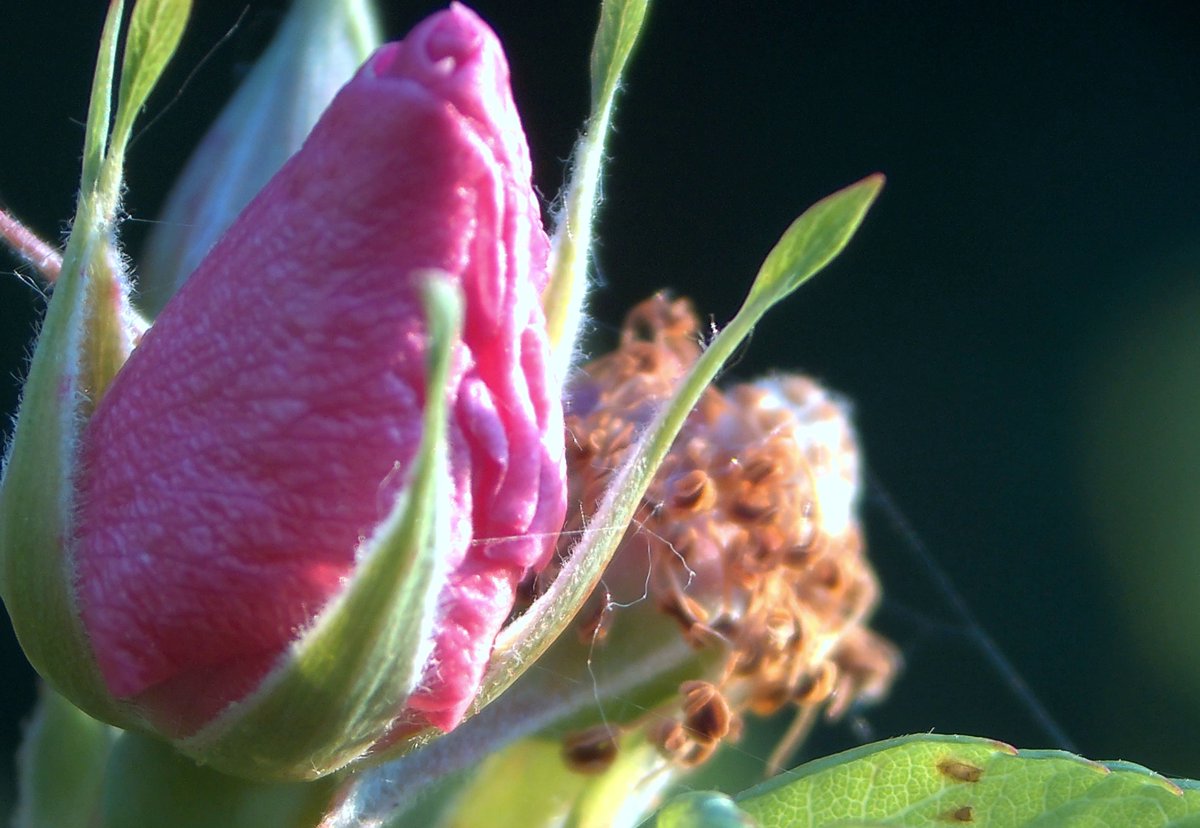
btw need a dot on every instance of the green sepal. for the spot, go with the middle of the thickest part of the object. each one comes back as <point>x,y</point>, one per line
<point>151,785</point>
<point>813,241</point>
<point>60,765</point>
<point>87,334</point>
<point>154,31</point>
<point>563,299</point>
<point>95,134</point>
<point>620,26</point>
<point>349,676</point>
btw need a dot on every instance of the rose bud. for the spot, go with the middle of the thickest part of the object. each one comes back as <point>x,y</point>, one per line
<point>266,561</point>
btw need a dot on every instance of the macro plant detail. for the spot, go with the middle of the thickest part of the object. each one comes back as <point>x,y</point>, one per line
<point>287,552</point>
<point>747,539</point>
<point>204,549</point>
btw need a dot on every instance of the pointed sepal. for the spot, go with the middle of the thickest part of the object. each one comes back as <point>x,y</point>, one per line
<point>88,332</point>
<point>570,253</point>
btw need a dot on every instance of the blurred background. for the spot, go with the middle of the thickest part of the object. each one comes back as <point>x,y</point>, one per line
<point>1016,322</point>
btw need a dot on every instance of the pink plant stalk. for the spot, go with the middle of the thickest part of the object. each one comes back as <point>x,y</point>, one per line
<point>266,423</point>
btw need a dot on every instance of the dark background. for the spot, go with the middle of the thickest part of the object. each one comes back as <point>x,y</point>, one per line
<point>1015,323</point>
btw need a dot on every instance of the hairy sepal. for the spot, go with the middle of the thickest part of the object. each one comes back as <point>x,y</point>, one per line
<point>89,331</point>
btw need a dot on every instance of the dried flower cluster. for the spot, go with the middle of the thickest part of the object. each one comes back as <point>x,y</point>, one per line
<point>749,530</point>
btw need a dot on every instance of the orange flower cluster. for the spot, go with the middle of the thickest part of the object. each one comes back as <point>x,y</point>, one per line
<point>750,530</point>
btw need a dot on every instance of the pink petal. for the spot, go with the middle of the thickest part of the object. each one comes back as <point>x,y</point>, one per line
<point>268,419</point>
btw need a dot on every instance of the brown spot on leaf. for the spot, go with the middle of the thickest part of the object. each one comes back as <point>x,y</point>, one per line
<point>964,813</point>
<point>959,771</point>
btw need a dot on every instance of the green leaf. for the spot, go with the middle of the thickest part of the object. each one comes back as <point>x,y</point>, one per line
<point>95,136</point>
<point>814,239</point>
<point>37,497</point>
<point>620,24</point>
<point>150,785</point>
<point>350,674</point>
<point>947,780</point>
<point>155,28</point>
<point>60,765</point>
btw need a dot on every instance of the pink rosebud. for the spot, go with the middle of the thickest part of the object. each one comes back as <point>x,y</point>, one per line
<point>267,422</point>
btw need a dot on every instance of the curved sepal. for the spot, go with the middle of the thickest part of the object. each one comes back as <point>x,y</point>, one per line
<point>88,332</point>
<point>570,253</point>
